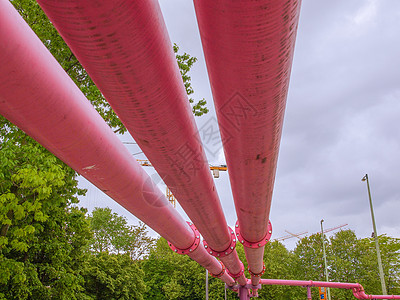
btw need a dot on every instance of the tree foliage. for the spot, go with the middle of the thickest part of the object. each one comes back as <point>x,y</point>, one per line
<point>113,276</point>
<point>172,276</point>
<point>42,237</point>
<point>185,63</point>
<point>112,234</point>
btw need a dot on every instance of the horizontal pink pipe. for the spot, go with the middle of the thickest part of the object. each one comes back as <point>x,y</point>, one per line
<point>357,288</point>
<point>310,283</point>
<point>39,97</point>
<point>125,48</point>
<point>248,47</point>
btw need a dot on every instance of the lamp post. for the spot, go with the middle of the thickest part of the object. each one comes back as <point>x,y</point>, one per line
<point>378,252</point>
<point>326,265</point>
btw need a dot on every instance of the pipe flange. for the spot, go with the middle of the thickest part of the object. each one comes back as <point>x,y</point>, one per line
<point>255,274</point>
<point>254,245</point>
<point>220,273</point>
<point>193,247</point>
<point>237,275</point>
<point>227,251</point>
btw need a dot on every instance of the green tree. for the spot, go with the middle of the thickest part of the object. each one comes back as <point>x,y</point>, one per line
<point>308,260</point>
<point>390,253</point>
<point>390,248</point>
<point>172,276</point>
<point>109,230</point>
<point>113,276</point>
<point>43,237</point>
<point>350,259</point>
<point>112,234</point>
<point>279,265</point>
<point>185,63</point>
<point>345,265</point>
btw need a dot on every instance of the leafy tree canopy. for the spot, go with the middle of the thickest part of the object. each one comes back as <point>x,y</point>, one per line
<point>112,234</point>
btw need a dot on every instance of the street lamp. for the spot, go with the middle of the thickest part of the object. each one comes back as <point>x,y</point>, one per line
<point>326,265</point>
<point>378,252</point>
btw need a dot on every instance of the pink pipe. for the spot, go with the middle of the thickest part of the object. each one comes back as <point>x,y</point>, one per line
<point>39,97</point>
<point>248,46</point>
<point>357,288</point>
<point>125,48</point>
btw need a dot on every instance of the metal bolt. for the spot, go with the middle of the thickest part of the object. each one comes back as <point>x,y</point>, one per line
<point>190,224</point>
<point>237,225</point>
<point>226,253</point>
<point>232,248</point>
<point>176,250</point>
<point>210,252</point>
<point>206,246</point>
<point>218,255</point>
<point>190,250</point>
<point>270,231</point>
<point>259,245</point>
<point>242,241</point>
<point>197,237</point>
<point>237,234</point>
<point>234,240</point>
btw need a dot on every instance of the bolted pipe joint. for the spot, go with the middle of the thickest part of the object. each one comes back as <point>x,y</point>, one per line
<point>237,275</point>
<point>254,245</point>
<point>257,274</point>
<point>227,251</point>
<point>193,247</point>
<point>220,274</point>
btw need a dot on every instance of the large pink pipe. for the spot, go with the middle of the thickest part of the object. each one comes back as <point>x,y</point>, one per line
<point>248,46</point>
<point>125,48</point>
<point>357,288</point>
<point>39,97</point>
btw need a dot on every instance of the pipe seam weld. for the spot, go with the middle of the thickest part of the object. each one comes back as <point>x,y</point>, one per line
<point>254,245</point>
<point>220,273</point>
<point>227,251</point>
<point>237,275</point>
<point>257,274</point>
<point>194,245</point>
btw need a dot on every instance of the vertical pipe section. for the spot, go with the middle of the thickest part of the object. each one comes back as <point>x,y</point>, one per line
<point>248,46</point>
<point>39,97</point>
<point>125,48</point>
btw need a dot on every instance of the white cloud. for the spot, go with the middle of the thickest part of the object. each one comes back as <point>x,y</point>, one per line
<point>367,13</point>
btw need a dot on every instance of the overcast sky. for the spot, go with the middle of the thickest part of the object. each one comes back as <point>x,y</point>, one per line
<point>342,118</point>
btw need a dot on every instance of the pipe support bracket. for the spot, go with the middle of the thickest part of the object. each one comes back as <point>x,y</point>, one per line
<point>254,245</point>
<point>227,251</point>
<point>193,247</point>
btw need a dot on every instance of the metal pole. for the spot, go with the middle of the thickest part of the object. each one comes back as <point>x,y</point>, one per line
<point>326,265</point>
<point>378,252</point>
<point>206,284</point>
<point>309,297</point>
<point>225,291</point>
